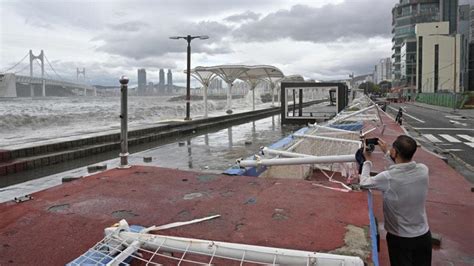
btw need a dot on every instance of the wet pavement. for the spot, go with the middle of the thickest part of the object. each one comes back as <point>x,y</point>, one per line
<point>213,151</point>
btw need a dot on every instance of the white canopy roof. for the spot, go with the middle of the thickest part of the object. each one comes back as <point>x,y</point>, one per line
<point>229,73</point>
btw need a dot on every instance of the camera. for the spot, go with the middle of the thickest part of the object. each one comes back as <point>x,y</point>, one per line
<point>370,144</point>
<point>373,141</point>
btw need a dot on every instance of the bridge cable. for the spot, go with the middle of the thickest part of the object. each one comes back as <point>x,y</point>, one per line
<point>53,69</point>
<point>16,63</point>
<point>47,74</point>
<point>21,69</point>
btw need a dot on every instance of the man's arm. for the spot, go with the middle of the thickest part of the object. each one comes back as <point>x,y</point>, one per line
<point>378,182</point>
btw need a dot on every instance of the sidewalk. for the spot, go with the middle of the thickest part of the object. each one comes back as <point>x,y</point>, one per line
<point>468,113</point>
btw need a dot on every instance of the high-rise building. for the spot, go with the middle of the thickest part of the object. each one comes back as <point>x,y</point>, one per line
<point>383,70</point>
<point>170,78</point>
<point>161,81</point>
<point>449,12</point>
<point>465,27</point>
<point>141,81</point>
<point>470,83</point>
<point>405,15</point>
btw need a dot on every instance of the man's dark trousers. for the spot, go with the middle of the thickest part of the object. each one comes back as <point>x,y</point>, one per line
<point>405,251</point>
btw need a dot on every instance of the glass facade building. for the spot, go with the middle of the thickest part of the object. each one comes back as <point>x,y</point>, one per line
<point>405,15</point>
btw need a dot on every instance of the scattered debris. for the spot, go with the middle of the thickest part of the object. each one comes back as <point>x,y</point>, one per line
<point>191,196</point>
<point>22,198</point>
<point>147,159</point>
<point>70,178</point>
<point>436,240</point>
<point>97,167</point>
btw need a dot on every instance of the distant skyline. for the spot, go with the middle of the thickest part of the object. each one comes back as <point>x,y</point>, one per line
<point>321,39</point>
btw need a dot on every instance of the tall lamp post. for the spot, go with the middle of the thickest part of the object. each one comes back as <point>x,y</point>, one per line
<point>189,38</point>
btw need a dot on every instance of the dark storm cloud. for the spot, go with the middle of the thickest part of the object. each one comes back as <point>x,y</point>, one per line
<point>154,40</point>
<point>248,15</point>
<point>350,19</point>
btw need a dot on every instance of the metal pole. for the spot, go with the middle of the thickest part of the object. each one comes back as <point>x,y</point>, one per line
<point>43,83</point>
<point>188,81</point>
<point>32,88</point>
<point>272,86</point>
<point>123,125</point>
<point>229,97</point>
<point>454,74</point>
<point>300,111</point>
<point>205,101</point>
<point>253,99</point>
<point>294,103</point>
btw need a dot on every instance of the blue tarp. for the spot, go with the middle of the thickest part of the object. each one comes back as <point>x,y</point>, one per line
<point>95,257</point>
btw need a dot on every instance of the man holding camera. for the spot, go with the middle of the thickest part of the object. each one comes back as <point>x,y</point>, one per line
<point>404,187</point>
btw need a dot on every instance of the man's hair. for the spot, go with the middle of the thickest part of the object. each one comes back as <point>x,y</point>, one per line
<point>405,146</point>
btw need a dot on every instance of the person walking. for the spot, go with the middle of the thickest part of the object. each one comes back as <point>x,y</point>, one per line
<point>399,116</point>
<point>404,187</point>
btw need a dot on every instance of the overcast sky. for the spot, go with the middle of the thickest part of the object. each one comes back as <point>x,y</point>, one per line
<point>319,39</point>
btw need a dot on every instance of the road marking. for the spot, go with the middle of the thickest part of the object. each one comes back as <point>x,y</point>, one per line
<point>431,138</point>
<point>455,117</point>
<point>406,114</point>
<point>449,138</point>
<point>457,123</point>
<point>466,137</point>
<point>439,128</point>
<point>453,150</point>
<point>471,144</point>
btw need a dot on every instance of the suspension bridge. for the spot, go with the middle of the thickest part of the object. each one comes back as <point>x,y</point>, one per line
<point>14,82</point>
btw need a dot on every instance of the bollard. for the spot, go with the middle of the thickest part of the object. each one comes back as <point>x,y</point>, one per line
<point>123,125</point>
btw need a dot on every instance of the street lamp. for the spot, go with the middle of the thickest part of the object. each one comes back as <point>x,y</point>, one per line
<point>189,38</point>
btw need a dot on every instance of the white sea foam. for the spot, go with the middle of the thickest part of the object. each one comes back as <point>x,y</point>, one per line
<point>24,120</point>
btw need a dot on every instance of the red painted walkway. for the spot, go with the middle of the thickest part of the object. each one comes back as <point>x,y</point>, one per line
<point>61,223</point>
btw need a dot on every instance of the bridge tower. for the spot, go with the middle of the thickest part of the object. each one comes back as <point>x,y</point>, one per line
<point>41,58</point>
<point>83,73</point>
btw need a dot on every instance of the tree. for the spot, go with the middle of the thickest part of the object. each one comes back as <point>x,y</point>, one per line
<point>385,86</point>
<point>369,87</point>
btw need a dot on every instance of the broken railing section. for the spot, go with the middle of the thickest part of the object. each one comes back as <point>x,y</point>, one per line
<point>329,146</point>
<point>124,242</point>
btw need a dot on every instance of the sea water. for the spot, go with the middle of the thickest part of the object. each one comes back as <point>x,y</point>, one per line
<point>29,120</point>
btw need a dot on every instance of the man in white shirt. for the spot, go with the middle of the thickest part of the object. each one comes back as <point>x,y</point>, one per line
<point>404,187</point>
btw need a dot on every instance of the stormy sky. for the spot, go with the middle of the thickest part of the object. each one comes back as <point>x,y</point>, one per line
<point>319,39</point>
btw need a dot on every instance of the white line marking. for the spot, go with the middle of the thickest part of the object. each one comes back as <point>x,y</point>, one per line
<point>457,123</point>
<point>453,150</point>
<point>471,144</point>
<point>406,114</point>
<point>438,128</point>
<point>449,138</point>
<point>431,138</point>
<point>466,137</point>
<point>455,117</point>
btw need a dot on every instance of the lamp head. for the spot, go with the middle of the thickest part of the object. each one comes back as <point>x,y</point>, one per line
<point>124,80</point>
